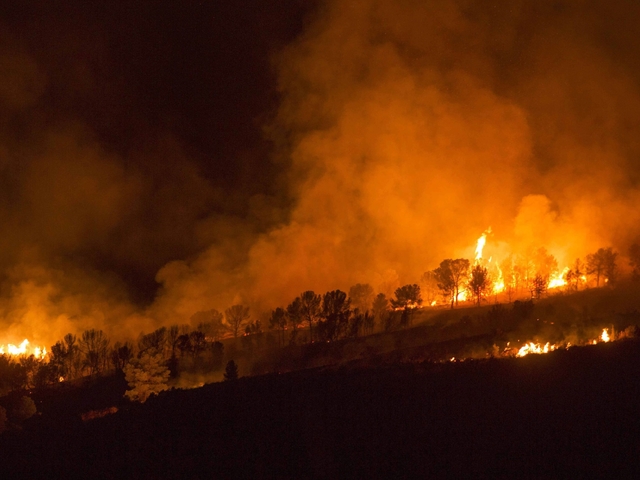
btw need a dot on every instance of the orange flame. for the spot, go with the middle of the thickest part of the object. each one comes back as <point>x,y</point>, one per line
<point>23,349</point>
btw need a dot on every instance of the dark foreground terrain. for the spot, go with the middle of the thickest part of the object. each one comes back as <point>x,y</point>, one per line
<point>572,414</point>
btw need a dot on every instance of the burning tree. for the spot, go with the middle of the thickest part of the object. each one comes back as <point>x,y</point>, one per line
<point>538,286</point>
<point>451,275</point>
<point>479,283</point>
<point>510,277</point>
<point>575,276</point>
<point>429,287</point>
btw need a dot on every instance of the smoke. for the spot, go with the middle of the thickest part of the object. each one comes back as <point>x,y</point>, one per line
<point>404,130</point>
<point>412,126</point>
<point>415,125</point>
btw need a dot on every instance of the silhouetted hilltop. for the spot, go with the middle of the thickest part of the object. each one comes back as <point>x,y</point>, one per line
<point>571,413</point>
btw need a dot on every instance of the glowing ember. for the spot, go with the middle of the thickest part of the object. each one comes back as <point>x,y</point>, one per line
<point>23,349</point>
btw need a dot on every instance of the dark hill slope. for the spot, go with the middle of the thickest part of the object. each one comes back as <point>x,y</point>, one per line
<point>568,414</point>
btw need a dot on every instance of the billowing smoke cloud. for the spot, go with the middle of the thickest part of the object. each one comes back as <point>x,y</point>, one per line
<point>412,126</point>
<point>404,129</point>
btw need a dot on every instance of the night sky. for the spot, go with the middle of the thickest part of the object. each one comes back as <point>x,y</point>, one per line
<point>161,158</point>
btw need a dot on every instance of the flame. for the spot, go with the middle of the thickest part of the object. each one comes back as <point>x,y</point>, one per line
<point>23,349</point>
<point>498,285</point>
<point>481,243</point>
<point>535,348</point>
<point>558,280</point>
<point>548,347</point>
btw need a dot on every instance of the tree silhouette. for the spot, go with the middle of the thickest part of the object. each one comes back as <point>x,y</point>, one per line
<point>336,313</point>
<point>66,357</point>
<point>197,343</point>
<point>479,283</point>
<point>172,339</point>
<point>310,309</point>
<point>231,371</point>
<point>94,346</point>
<point>602,264</point>
<point>356,324</point>
<point>575,275</point>
<point>236,315</point>
<point>451,275</point>
<point>120,355</point>
<point>407,298</point>
<point>369,322</point>
<point>278,320</point>
<point>538,286</point>
<point>210,323</point>
<point>380,309</point>
<point>294,313</point>
<point>154,342</point>
<point>12,375</point>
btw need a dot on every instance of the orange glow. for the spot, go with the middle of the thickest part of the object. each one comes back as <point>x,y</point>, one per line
<point>605,335</point>
<point>558,280</point>
<point>23,349</point>
<point>481,243</point>
<point>535,348</point>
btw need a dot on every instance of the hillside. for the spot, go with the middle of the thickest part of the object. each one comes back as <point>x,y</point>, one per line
<point>571,413</point>
<point>388,405</point>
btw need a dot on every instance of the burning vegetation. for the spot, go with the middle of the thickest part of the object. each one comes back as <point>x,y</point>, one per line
<point>199,351</point>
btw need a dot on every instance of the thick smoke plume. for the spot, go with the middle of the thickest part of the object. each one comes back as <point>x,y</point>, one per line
<point>405,129</point>
<point>412,126</point>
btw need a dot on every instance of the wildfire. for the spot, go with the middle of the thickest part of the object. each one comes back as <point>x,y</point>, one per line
<point>23,349</point>
<point>535,348</point>
<point>548,347</point>
<point>481,243</point>
<point>498,285</point>
<point>558,280</point>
